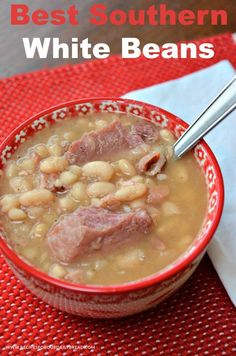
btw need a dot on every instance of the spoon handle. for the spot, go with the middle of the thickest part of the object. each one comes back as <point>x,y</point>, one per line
<point>218,109</point>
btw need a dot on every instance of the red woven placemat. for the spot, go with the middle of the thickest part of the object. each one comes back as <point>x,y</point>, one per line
<point>198,320</point>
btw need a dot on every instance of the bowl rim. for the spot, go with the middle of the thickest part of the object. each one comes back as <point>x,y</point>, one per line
<point>150,280</point>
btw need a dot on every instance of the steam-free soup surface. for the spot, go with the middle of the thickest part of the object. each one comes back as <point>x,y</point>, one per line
<point>101,215</point>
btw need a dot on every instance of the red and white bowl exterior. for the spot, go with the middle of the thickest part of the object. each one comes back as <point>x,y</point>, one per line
<point>118,300</point>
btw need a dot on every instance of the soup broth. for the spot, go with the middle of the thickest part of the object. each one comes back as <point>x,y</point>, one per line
<point>93,203</point>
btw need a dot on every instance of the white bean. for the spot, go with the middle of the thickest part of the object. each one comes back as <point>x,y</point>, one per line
<point>139,151</point>
<point>100,189</point>
<point>170,208</point>
<point>27,165</point>
<point>98,265</point>
<point>11,170</point>
<point>79,192</point>
<point>98,169</point>
<point>131,192</point>
<point>36,197</point>
<point>17,214</point>
<point>39,230</point>
<point>35,211</point>
<point>67,178</point>
<point>126,208</point>
<point>137,203</point>
<point>115,166</point>
<point>167,227</point>
<point>53,165</point>
<point>70,136</point>
<point>67,204</point>
<point>169,152</point>
<point>57,271</point>
<point>75,170</point>
<point>130,259</point>
<point>161,177</point>
<point>54,139</point>
<point>95,202</point>
<point>21,184</point>
<point>42,151</point>
<point>8,202</point>
<point>126,167</point>
<point>100,124</point>
<point>167,135</point>
<point>138,179</point>
<point>55,149</point>
<point>58,183</point>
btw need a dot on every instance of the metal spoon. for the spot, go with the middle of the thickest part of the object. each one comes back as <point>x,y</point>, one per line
<point>218,109</point>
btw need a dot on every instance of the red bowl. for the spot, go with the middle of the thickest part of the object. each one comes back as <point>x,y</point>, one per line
<point>126,299</point>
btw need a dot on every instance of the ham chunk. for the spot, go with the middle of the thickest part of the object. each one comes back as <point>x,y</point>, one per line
<point>152,163</point>
<point>97,144</point>
<point>146,131</point>
<point>110,202</point>
<point>95,228</point>
<point>112,138</point>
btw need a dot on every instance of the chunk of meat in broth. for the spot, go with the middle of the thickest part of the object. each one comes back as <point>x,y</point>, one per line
<point>112,138</point>
<point>96,144</point>
<point>105,210</point>
<point>152,163</point>
<point>89,229</point>
<point>145,132</point>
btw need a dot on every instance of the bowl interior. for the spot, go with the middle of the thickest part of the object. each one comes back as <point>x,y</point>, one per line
<point>161,118</point>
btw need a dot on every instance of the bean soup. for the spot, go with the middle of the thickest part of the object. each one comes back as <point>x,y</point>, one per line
<point>99,200</point>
